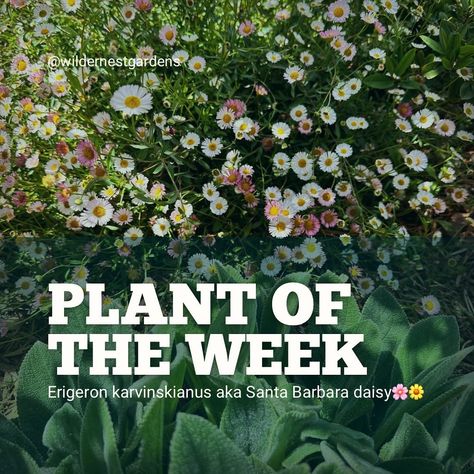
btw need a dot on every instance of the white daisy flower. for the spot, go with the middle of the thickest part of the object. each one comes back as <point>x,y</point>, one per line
<point>430,305</point>
<point>280,227</point>
<point>133,236</point>
<point>197,64</point>
<point>344,150</point>
<point>71,6</point>
<point>423,119</point>
<point>210,192</point>
<point>190,140</point>
<point>445,128</point>
<point>161,227</point>
<point>219,206</point>
<point>293,74</point>
<point>298,113</point>
<point>132,100</point>
<point>97,212</point>
<point>400,182</point>
<point>270,266</point>
<point>328,115</point>
<point>328,162</point>
<point>212,147</point>
<point>281,130</point>
<point>301,164</point>
<point>198,263</point>
<point>416,160</point>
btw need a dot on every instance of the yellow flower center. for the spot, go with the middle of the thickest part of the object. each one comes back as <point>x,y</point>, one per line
<point>169,35</point>
<point>99,211</point>
<point>338,12</point>
<point>132,102</point>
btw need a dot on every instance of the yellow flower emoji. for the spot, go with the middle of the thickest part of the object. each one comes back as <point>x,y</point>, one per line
<point>416,392</point>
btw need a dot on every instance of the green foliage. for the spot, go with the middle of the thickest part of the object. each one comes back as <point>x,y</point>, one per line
<point>262,435</point>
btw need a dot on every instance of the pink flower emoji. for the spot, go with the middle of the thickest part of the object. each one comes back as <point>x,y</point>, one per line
<point>400,392</point>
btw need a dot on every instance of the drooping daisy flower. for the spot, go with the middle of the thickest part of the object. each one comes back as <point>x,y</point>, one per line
<point>97,212</point>
<point>168,35</point>
<point>197,64</point>
<point>377,53</point>
<point>468,109</point>
<point>132,100</point>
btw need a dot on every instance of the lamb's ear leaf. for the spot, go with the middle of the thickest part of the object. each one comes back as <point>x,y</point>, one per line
<point>11,433</point>
<point>61,434</point>
<point>385,311</point>
<point>413,464</point>
<point>98,446</point>
<point>426,343</point>
<point>247,422</point>
<point>457,428</point>
<point>198,447</point>
<point>35,407</point>
<point>410,439</point>
<point>15,459</point>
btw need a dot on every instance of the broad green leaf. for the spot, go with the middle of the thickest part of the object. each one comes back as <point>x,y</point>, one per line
<point>344,410</point>
<point>406,62</point>
<point>434,45</point>
<point>37,373</point>
<point>152,433</point>
<point>427,342</point>
<point>431,379</point>
<point>410,439</point>
<point>98,446</point>
<point>69,465</point>
<point>413,464</point>
<point>247,422</point>
<point>62,433</point>
<point>385,311</point>
<point>301,453</point>
<point>457,428</point>
<point>11,433</point>
<point>286,435</point>
<point>360,464</point>
<point>14,459</point>
<point>379,81</point>
<point>198,447</point>
<point>328,467</point>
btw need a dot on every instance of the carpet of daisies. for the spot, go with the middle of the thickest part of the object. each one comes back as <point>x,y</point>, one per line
<point>270,118</point>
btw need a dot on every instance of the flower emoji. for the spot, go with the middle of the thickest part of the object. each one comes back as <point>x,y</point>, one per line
<point>416,392</point>
<point>400,392</point>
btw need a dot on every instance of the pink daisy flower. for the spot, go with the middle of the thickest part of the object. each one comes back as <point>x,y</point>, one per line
<point>237,106</point>
<point>329,218</point>
<point>168,35</point>
<point>246,28</point>
<point>143,5</point>
<point>311,225</point>
<point>86,153</point>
